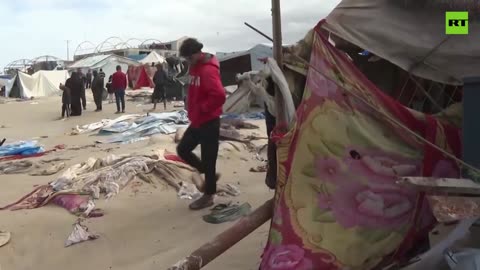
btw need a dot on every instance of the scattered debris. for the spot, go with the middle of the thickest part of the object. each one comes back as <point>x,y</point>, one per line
<point>259,169</point>
<point>80,234</point>
<point>228,190</point>
<point>188,191</point>
<point>227,212</point>
<point>4,238</point>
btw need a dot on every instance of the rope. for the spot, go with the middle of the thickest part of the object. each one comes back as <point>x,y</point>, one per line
<point>389,118</point>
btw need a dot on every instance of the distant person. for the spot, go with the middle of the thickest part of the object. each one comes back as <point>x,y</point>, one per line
<point>82,79</point>
<point>75,84</point>
<point>206,96</point>
<point>160,80</point>
<point>102,74</point>
<point>110,90</point>
<point>66,101</point>
<point>88,80</point>
<point>119,84</point>
<point>97,90</point>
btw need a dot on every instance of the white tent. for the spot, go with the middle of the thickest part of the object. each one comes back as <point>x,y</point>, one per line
<point>153,57</point>
<point>257,52</point>
<point>411,35</point>
<point>40,84</point>
<point>108,63</point>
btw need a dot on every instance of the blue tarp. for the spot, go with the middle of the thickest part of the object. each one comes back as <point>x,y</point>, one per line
<point>21,148</point>
<point>146,126</point>
<point>245,116</point>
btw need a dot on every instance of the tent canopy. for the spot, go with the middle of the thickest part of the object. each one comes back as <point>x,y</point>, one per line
<point>108,63</point>
<point>153,57</point>
<point>40,84</point>
<point>411,36</point>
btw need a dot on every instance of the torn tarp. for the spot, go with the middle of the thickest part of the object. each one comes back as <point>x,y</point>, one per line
<point>23,148</point>
<point>145,126</point>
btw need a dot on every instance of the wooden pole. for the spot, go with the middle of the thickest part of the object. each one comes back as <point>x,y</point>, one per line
<point>258,31</point>
<point>211,250</point>
<point>277,32</point>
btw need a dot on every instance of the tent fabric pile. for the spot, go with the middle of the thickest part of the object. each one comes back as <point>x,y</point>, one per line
<point>75,188</point>
<point>337,204</point>
<point>144,127</point>
<point>22,148</point>
<point>134,128</point>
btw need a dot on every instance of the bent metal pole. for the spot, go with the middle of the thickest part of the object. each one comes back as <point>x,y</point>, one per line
<point>211,250</point>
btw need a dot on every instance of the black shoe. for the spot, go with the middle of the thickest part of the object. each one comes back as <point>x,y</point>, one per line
<point>204,202</point>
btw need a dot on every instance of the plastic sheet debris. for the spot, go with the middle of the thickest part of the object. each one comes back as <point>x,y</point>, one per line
<point>23,148</point>
<point>228,190</point>
<point>80,234</point>
<point>188,191</point>
<point>466,259</point>
<point>145,126</point>
<point>4,238</point>
<point>435,256</point>
<point>251,116</point>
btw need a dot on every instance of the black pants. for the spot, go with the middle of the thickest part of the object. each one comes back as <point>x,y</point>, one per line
<point>208,137</point>
<point>271,178</point>
<point>83,99</point>
<point>120,98</point>
<point>65,110</point>
<point>88,84</point>
<point>97,97</point>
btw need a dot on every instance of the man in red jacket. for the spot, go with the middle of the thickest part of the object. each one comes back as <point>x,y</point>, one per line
<point>119,84</point>
<point>206,97</point>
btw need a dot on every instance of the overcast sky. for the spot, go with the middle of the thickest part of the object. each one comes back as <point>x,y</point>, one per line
<point>32,28</point>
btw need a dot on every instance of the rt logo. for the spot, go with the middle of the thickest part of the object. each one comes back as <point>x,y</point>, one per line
<point>456,22</point>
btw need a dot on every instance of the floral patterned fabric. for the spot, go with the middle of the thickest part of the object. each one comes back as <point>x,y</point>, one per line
<point>337,205</point>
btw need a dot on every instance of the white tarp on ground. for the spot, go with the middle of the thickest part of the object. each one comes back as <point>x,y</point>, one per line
<point>153,57</point>
<point>40,84</point>
<point>108,63</point>
<point>406,36</point>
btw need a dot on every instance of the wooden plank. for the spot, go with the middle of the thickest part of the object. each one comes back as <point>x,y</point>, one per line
<point>442,186</point>
<point>211,250</point>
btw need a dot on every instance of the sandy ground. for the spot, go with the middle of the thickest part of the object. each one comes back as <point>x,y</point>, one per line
<point>144,227</point>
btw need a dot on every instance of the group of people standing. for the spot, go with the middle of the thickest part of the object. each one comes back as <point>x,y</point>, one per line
<point>74,96</point>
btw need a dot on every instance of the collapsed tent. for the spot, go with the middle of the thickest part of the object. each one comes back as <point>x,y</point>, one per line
<point>425,49</point>
<point>232,64</point>
<point>338,204</point>
<point>40,84</point>
<point>108,63</point>
<point>153,57</point>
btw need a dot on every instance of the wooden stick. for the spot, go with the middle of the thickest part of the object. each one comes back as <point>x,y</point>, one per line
<point>211,250</point>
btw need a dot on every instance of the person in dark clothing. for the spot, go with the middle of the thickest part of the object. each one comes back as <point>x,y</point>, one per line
<point>206,97</point>
<point>88,80</point>
<point>270,121</point>
<point>119,84</point>
<point>97,90</point>
<point>160,80</point>
<point>110,89</point>
<point>102,74</point>
<point>75,84</point>
<point>66,101</point>
<point>83,80</point>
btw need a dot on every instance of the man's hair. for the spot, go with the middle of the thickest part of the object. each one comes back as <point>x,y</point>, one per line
<point>119,68</point>
<point>190,47</point>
